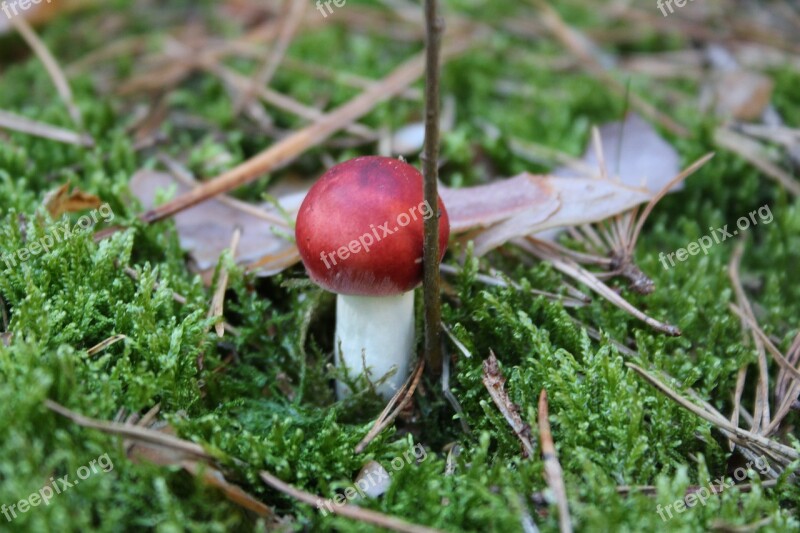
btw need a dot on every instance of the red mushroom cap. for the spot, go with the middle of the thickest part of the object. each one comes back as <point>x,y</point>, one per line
<point>360,227</point>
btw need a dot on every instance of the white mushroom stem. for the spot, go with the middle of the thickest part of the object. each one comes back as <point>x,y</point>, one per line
<point>375,336</point>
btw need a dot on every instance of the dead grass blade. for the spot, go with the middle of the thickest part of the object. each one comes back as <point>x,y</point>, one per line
<point>784,380</point>
<point>774,352</point>
<point>394,407</point>
<point>290,23</point>
<point>448,393</point>
<point>752,152</point>
<point>52,67</point>
<point>213,477</point>
<point>11,121</point>
<point>102,345</point>
<point>275,263</point>
<point>747,440</point>
<point>545,252</point>
<point>344,78</point>
<point>688,171</point>
<point>741,377</point>
<point>184,175</point>
<point>461,348</point>
<point>494,382</point>
<point>218,300</point>
<point>552,468</point>
<point>497,279</point>
<point>761,415</point>
<point>282,101</point>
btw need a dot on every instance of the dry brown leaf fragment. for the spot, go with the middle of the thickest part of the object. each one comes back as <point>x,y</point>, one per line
<point>567,202</point>
<point>732,91</point>
<point>485,205</point>
<point>633,152</point>
<point>740,94</point>
<point>527,204</point>
<point>61,200</point>
<point>495,382</point>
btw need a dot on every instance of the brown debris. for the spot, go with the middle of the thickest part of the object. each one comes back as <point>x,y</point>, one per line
<point>495,383</point>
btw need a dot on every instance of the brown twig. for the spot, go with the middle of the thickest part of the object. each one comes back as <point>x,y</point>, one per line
<point>159,447</point>
<point>434,26</point>
<point>132,432</point>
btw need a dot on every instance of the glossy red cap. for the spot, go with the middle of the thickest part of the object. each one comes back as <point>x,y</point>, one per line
<point>360,228</point>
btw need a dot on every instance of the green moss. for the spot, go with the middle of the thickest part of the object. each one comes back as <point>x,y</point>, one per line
<point>264,397</point>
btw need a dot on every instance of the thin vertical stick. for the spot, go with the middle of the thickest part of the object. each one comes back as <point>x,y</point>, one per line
<point>434,26</point>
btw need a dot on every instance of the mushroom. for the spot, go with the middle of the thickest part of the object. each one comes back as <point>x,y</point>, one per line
<point>360,235</point>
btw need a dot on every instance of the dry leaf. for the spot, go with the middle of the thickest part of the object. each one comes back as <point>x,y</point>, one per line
<point>738,94</point>
<point>634,152</point>
<point>529,204</point>
<point>205,231</point>
<point>60,201</point>
<point>485,205</point>
<point>733,92</point>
